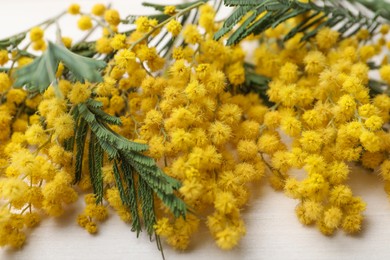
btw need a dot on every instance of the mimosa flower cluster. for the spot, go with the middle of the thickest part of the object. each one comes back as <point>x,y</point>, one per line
<point>324,106</point>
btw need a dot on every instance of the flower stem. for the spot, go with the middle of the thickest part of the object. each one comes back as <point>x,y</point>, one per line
<point>160,25</point>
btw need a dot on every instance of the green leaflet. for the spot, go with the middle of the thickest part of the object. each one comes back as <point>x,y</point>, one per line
<point>179,6</point>
<point>105,134</point>
<point>380,7</point>
<point>96,108</point>
<point>81,135</point>
<point>95,163</point>
<point>118,182</point>
<point>331,14</point>
<point>145,193</point>
<point>240,2</point>
<point>376,88</point>
<point>38,75</point>
<point>13,41</point>
<point>257,83</point>
<point>232,20</point>
<point>86,49</point>
<point>131,194</point>
<point>137,176</point>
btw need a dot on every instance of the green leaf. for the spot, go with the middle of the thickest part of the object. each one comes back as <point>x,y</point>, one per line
<point>376,87</point>
<point>103,132</point>
<point>95,160</point>
<point>232,20</point>
<point>132,195</point>
<point>145,193</point>
<point>381,7</point>
<point>119,184</point>
<point>113,120</point>
<point>159,17</point>
<point>81,135</point>
<point>82,67</point>
<point>94,103</point>
<point>137,176</point>
<point>86,49</point>
<point>38,75</point>
<point>157,7</point>
<point>179,6</point>
<point>12,41</point>
<point>256,83</point>
<point>331,14</point>
<point>241,2</point>
<point>237,34</point>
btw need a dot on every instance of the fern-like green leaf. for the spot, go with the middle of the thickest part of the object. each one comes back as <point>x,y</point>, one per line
<point>241,2</point>
<point>95,160</point>
<point>380,7</point>
<point>270,13</point>
<point>161,8</point>
<point>113,120</point>
<point>81,135</point>
<point>104,133</point>
<point>256,83</point>
<point>119,184</point>
<point>238,34</point>
<point>145,193</point>
<point>131,193</point>
<point>137,176</point>
<point>232,20</point>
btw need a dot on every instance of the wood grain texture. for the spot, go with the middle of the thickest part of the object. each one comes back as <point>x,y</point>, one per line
<point>273,231</point>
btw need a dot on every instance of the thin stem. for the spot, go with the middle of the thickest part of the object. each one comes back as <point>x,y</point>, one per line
<point>43,145</point>
<point>159,26</point>
<point>146,70</point>
<point>26,208</point>
<point>88,34</point>
<point>100,23</point>
<point>93,29</point>
<point>48,22</point>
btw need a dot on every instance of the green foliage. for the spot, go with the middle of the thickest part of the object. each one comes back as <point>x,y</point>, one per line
<point>12,41</point>
<point>95,164</point>
<point>38,75</point>
<point>86,49</point>
<point>137,176</point>
<point>258,16</point>
<point>131,199</point>
<point>380,7</point>
<point>241,2</point>
<point>81,135</point>
<point>178,7</point>
<point>232,20</point>
<point>256,83</point>
<point>377,88</point>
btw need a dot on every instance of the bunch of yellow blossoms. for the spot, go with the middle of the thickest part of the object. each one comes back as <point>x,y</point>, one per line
<point>324,106</point>
<point>193,127</point>
<point>199,127</point>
